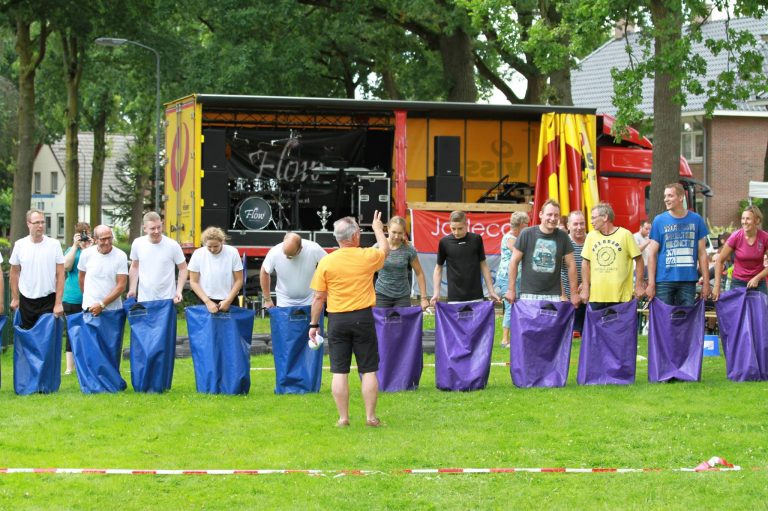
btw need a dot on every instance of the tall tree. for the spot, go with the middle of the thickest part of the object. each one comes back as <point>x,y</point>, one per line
<point>31,36</point>
<point>667,29</point>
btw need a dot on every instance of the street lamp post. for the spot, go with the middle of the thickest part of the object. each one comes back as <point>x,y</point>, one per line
<point>112,41</point>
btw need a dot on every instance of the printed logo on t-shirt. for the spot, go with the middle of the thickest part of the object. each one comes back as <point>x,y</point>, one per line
<point>680,245</point>
<point>544,256</point>
<point>606,251</point>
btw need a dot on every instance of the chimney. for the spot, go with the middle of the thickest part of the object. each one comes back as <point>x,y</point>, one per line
<point>622,28</point>
<point>699,19</point>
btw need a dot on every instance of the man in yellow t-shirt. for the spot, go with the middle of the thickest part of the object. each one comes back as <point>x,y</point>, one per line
<point>344,279</point>
<point>606,268</point>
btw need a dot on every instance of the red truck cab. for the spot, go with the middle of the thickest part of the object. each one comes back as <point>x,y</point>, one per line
<point>624,174</point>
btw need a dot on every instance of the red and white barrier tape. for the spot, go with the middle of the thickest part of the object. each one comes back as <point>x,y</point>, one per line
<point>715,464</point>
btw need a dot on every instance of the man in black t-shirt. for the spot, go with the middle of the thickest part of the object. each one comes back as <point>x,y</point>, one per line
<point>543,249</point>
<point>464,255</point>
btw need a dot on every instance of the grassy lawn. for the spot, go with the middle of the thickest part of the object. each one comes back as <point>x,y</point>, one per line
<point>666,426</point>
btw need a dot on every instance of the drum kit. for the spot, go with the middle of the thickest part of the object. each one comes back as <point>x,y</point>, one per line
<point>261,202</point>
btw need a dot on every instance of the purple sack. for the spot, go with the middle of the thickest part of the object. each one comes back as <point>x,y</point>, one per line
<point>399,331</point>
<point>675,341</point>
<point>463,344</point>
<point>540,345</point>
<point>608,353</point>
<point>742,316</point>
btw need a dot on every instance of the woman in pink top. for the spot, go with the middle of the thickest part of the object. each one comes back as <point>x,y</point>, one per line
<point>749,246</point>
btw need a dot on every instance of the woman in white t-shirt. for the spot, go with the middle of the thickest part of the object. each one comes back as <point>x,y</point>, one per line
<point>215,271</point>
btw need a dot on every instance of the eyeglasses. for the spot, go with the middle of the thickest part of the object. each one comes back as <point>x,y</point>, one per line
<point>106,238</point>
<point>39,222</point>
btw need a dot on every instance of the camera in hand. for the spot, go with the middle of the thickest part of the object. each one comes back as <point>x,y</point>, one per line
<point>84,236</point>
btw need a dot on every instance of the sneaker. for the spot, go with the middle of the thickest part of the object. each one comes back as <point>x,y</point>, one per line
<point>67,372</point>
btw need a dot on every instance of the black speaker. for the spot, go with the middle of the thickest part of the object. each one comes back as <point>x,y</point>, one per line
<point>447,156</point>
<point>444,189</point>
<point>214,150</point>
<point>215,190</point>
<point>214,217</point>
<point>373,195</point>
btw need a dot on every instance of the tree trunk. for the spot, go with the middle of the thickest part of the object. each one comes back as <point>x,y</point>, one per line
<point>390,85</point>
<point>666,112</point>
<point>458,66</point>
<point>560,86</point>
<point>97,170</point>
<point>535,89</point>
<point>72,53</point>
<point>29,60</point>
<point>137,210</point>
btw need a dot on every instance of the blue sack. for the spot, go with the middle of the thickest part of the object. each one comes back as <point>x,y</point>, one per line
<point>298,369</point>
<point>608,353</point>
<point>463,345</point>
<point>37,355</point>
<point>399,333</point>
<point>742,315</point>
<point>97,344</point>
<point>540,344</point>
<point>675,341</point>
<point>220,345</point>
<point>153,344</point>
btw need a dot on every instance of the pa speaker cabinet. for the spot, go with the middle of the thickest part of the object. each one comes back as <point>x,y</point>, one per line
<point>444,189</point>
<point>215,190</point>
<point>214,217</point>
<point>214,150</point>
<point>447,156</point>
<point>373,194</point>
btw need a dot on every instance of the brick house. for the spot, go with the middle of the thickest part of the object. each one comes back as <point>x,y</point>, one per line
<point>727,150</point>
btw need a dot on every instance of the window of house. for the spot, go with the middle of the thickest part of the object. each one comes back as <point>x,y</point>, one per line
<point>692,141</point>
<point>48,224</point>
<point>54,182</point>
<point>60,225</point>
<point>37,186</point>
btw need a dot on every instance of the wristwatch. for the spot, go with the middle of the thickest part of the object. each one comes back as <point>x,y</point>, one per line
<point>101,304</point>
<point>314,325</point>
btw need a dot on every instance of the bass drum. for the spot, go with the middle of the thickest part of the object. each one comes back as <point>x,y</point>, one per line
<point>254,213</point>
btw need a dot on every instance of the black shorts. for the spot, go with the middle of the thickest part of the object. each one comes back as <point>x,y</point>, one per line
<point>70,308</point>
<point>30,309</point>
<point>352,332</point>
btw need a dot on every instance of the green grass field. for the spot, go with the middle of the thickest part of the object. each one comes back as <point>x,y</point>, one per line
<point>666,426</point>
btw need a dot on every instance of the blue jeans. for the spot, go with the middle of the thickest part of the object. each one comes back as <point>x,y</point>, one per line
<point>676,293</point>
<point>501,288</point>
<point>735,283</point>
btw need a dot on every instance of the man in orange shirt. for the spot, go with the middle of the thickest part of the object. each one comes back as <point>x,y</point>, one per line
<point>344,279</point>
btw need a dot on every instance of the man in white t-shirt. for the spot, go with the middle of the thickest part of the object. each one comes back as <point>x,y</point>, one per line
<point>103,273</point>
<point>153,258</point>
<point>37,273</point>
<point>294,261</point>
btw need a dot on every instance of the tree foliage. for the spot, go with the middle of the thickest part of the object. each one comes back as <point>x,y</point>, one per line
<point>667,29</point>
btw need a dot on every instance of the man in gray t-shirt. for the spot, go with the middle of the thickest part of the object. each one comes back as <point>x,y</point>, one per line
<point>543,249</point>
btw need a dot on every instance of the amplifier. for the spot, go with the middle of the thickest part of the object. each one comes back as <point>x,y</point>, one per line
<point>373,194</point>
